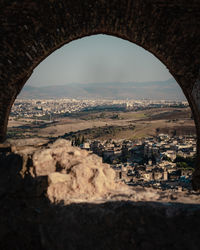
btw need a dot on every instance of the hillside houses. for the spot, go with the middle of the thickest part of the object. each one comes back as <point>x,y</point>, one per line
<point>147,161</point>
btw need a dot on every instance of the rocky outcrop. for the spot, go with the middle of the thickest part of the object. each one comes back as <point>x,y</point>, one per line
<point>54,196</point>
<point>58,170</point>
<point>73,173</point>
<point>67,174</point>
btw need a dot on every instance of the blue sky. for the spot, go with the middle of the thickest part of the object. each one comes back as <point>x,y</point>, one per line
<point>98,58</point>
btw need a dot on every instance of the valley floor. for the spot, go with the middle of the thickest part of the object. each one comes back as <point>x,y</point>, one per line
<point>146,123</point>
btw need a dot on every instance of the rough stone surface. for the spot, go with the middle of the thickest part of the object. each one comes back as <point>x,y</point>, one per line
<point>40,209</point>
<point>73,173</point>
<point>68,174</point>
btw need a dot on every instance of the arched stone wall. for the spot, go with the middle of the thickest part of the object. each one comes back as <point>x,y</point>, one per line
<point>33,29</point>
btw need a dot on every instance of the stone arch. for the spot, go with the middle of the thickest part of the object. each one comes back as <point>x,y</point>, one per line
<point>31,30</point>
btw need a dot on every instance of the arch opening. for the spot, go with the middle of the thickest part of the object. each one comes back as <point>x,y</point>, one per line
<point>149,157</point>
<point>46,26</point>
<point>21,82</point>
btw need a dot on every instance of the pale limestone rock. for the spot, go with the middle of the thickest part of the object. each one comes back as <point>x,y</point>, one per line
<point>54,178</point>
<point>73,173</point>
<point>44,162</point>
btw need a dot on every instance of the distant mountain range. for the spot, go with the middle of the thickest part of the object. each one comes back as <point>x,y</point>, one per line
<point>168,90</point>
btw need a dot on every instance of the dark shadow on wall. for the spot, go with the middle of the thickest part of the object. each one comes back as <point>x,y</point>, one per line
<point>29,221</point>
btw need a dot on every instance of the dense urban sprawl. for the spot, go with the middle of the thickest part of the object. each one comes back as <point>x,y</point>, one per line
<point>162,161</point>
<point>58,107</point>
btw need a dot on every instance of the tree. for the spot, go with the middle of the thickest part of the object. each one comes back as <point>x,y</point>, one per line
<point>83,139</point>
<point>182,165</point>
<point>75,140</point>
<point>78,141</point>
<point>157,130</point>
<point>174,132</point>
<point>166,158</point>
<point>190,161</point>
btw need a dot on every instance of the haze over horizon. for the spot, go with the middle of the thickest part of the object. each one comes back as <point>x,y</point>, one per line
<point>100,63</point>
<point>98,59</point>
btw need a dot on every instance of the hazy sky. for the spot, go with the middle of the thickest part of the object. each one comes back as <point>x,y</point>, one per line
<point>98,58</point>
